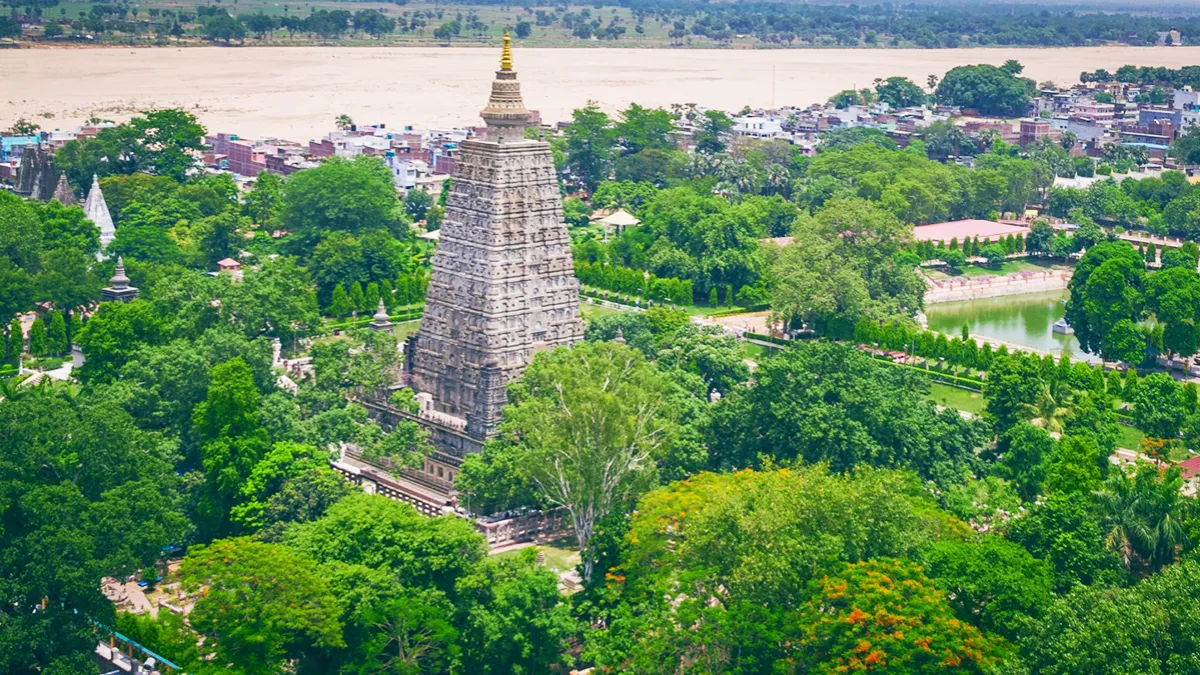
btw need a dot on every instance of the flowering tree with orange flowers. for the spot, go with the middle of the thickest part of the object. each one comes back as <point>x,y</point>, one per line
<point>883,616</point>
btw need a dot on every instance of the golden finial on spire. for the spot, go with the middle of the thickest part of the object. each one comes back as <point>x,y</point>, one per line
<point>506,55</point>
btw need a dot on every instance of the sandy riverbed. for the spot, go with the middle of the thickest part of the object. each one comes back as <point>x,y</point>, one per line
<point>295,92</point>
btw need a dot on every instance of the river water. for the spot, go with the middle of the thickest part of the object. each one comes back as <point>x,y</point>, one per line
<point>296,92</point>
<point>1017,319</point>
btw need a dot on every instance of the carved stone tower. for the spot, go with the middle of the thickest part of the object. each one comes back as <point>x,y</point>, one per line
<point>503,284</point>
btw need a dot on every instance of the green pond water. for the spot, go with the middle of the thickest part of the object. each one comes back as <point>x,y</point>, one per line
<point>1024,320</point>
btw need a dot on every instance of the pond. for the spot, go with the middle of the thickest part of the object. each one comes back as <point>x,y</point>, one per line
<point>1023,320</point>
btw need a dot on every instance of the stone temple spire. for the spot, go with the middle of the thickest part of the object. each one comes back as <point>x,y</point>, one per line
<point>118,289</point>
<point>63,192</point>
<point>505,114</point>
<point>503,283</point>
<point>96,210</point>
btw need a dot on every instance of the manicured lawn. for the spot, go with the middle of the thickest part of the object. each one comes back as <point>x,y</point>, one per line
<point>560,554</point>
<point>1008,267</point>
<point>590,311</point>
<point>1129,438</point>
<point>953,397</point>
<point>405,328</point>
<point>752,351</point>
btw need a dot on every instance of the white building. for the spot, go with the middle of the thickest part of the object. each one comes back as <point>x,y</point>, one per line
<point>96,210</point>
<point>758,126</point>
<point>405,170</point>
<point>1186,99</point>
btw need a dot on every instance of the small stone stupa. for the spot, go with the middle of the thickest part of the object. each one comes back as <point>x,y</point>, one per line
<point>118,289</point>
<point>381,321</point>
<point>96,210</point>
<point>63,192</point>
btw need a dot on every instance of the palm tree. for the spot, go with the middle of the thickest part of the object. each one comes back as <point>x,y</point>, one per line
<point>1142,516</point>
<point>1047,411</point>
<point>343,122</point>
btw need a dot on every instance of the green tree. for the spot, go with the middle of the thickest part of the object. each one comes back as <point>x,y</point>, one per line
<point>590,145</point>
<point>37,338</point>
<point>1143,513</point>
<point>339,195</point>
<point>357,298</point>
<point>899,92</point>
<point>835,404</point>
<point>56,335</point>
<point>992,583</point>
<point>163,142</point>
<point>340,306</point>
<point>1097,629</point>
<point>1023,459</point>
<point>77,468</point>
<point>379,533</point>
<point>20,232</point>
<point>114,333</point>
<point>1158,407</point>
<point>516,621</point>
<point>1074,467</point>
<point>1065,531</point>
<point>711,132</point>
<point>1186,148</point>
<point>67,279</point>
<point>987,89</point>
<point>644,128</point>
<point>1105,288</point>
<point>763,537</point>
<point>232,441</point>
<point>592,421</point>
<point>263,202</point>
<point>1173,296</point>
<point>16,291</point>
<point>260,605</point>
<point>417,203</point>
<point>67,227</point>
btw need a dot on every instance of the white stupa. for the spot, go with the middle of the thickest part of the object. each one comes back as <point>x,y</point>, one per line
<point>97,211</point>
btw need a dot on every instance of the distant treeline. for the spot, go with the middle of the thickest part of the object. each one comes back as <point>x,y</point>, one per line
<point>681,21</point>
<point>1175,77</point>
<point>883,24</point>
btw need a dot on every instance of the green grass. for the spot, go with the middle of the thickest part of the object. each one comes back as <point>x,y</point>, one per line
<point>590,311</point>
<point>405,328</point>
<point>1007,267</point>
<point>749,350</point>
<point>560,554</point>
<point>959,399</point>
<point>1129,438</point>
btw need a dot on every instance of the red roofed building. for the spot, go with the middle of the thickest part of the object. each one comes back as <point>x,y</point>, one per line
<point>986,230</point>
<point>1190,469</point>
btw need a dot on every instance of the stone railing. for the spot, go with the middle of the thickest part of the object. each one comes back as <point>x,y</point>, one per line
<point>975,288</point>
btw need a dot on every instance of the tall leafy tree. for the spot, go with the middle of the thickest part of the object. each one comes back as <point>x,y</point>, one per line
<point>1097,304</point>
<point>231,438</point>
<point>260,604</point>
<point>644,129</point>
<point>339,195</point>
<point>74,471</point>
<point>590,145</point>
<point>591,421</point>
<point>20,232</point>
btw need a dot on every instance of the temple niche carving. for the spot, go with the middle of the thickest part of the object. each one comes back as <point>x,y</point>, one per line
<point>503,283</point>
